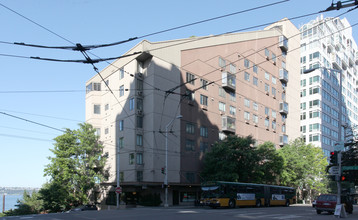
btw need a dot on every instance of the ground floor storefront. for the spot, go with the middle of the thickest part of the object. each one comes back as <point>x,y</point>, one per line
<point>148,194</point>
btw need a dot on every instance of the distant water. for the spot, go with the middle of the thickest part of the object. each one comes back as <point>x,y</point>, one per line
<point>10,201</point>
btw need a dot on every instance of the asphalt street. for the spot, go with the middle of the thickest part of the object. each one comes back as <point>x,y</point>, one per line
<point>293,212</point>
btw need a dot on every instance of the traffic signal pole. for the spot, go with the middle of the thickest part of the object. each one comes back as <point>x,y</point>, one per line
<point>339,160</point>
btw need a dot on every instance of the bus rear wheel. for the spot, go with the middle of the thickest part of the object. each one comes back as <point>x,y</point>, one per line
<point>232,203</point>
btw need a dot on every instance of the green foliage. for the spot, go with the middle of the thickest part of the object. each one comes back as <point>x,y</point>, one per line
<point>150,200</point>
<point>304,167</point>
<point>235,159</point>
<point>30,204</point>
<point>76,169</point>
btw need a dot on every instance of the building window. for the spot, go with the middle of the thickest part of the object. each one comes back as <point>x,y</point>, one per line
<point>204,84</point>
<point>247,102</point>
<point>247,63</point>
<point>204,131</point>
<point>273,79</point>
<point>131,158</point>
<point>131,103</point>
<point>267,88</point>
<point>106,107</point>
<point>314,103</point>
<point>139,159</point>
<point>121,73</point>
<point>222,106</point>
<point>139,104</point>
<point>121,142</point>
<point>255,119</point>
<point>267,122</point>
<point>106,131</point>
<point>267,111</point>
<point>121,90</point>
<point>139,121</point>
<point>303,106</point>
<point>247,76</point>
<point>247,116</point>
<point>222,92</point>
<point>190,128</point>
<point>303,116</point>
<point>273,125</point>
<point>139,85</point>
<point>232,68</point>
<point>255,106</point>
<point>267,76</point>
<point>255,81</point>
<point>189,145</point>
<point>97,109</point>
<point>273,113</point>
<point>222,62</point>
<point>273,91</point>
<point>232,96</point>
<point>139,176</point>
<point>98,132</point>
<point>204,147</point>
<point>254,68</point>
<point>139,140</point>
<point>203,100</point>
<point>189,95</point>
<point>273,57</point>
<point>121,125</point>
<point>267,52</point>
<point>303,82</point>
<point>190,78</point>
<point>303,93</point>
<point>232,110</point>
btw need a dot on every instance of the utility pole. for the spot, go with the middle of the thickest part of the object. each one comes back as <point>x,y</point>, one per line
<point>3,203</point>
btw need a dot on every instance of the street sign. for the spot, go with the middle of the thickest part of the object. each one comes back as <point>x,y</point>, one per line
<point>118,189</point>
<point>333,170</point>
<point>349,168</point>
<point>339,146</point>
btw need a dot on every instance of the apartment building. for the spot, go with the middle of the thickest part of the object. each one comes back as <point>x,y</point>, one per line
<point>176,98</point>
<point>328,82</point>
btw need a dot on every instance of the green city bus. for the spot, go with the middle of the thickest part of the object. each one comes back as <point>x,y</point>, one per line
<point>232,194</point>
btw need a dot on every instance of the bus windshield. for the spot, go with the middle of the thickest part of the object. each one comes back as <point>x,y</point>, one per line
<point>210,191</point>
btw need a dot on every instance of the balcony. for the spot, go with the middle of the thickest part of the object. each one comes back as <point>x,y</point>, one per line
<point>283,140</point>
<point>284,108</point>
<point>283,75</point>
<point>228,81</point>
<point>228,124</point>
<point>283,43</point>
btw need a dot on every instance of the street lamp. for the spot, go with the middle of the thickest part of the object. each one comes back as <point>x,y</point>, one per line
<point>339,156</point>
<point>166,160</point>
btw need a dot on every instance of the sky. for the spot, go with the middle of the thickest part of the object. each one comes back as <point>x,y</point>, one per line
<point>40,98</point>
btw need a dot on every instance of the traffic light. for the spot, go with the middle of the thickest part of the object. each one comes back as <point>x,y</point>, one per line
<point>343,178</point>
<point>333,160</point>
<point>163,170</point>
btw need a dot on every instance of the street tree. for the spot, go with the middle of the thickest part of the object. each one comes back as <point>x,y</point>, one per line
<point>236,159</point>
<point>75,170</point>
<point>304,169</point>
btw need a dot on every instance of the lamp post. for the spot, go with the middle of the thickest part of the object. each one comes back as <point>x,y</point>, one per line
<point>166,160</point>
<point>339,156</point>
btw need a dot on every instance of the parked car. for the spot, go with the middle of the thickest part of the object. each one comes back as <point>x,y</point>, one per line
<point>84,208</point>
<point>327,203</point>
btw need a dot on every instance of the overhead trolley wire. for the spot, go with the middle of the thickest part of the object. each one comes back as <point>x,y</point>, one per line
<point>89,47</point>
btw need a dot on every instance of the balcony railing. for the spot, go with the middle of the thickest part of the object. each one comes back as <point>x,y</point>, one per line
<point>284,108</point>
<point>228,81</point>
<point>283,75</point>
<point>283,139</point>
<point>283,43</point>
<point>228,124</point>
